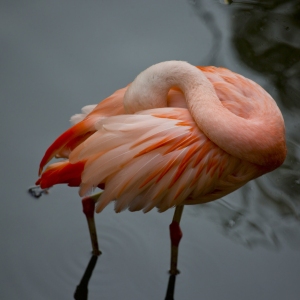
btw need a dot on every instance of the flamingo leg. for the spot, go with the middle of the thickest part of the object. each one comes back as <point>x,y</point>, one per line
<point>175,235</point>
<point>88,205</point>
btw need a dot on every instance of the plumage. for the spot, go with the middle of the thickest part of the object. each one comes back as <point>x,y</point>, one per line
<point>159,157</point>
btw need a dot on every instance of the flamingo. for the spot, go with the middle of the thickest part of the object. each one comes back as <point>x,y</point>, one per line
<point>177,135</point>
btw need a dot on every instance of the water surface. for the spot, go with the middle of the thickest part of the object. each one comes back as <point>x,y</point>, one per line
<point>61,55</point>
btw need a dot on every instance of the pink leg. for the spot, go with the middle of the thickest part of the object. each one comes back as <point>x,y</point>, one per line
<point>175,235</point>
<point>88,205</point>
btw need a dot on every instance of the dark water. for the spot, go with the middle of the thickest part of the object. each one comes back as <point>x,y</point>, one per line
<point>57,56</point>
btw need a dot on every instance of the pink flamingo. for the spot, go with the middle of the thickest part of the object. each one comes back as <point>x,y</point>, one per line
<point>177,135</point>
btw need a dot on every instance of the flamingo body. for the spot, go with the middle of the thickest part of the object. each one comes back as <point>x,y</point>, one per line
<point>159,155</point>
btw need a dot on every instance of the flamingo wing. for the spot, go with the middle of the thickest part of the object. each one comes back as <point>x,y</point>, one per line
<point>84,127</point>
<point>159,158</point>
<point>156,157</point>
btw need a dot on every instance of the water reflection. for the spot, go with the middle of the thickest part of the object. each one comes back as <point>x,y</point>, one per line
<point>266,37</point>
<point>171,287</point>
<point>266,212</point>
<point>81,292</point>
<point>209,20</point>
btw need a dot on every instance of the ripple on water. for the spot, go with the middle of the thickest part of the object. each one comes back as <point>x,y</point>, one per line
<point>133,245</point>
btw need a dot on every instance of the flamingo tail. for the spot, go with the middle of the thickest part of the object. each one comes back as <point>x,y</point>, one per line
<point>67,141</point>
<point>61,172</point>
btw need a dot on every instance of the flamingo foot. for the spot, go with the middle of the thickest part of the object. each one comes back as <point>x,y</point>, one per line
<point>175,235</point>
<point>88,205</point>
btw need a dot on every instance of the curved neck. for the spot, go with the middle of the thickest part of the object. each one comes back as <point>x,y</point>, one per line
<point>256,139</point>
